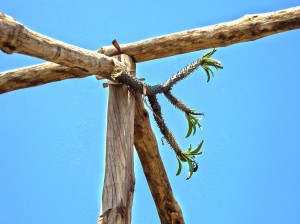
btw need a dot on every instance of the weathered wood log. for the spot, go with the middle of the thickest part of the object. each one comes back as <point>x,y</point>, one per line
<point>146,146</point>
<point>118,189</point>
<point>15,38</point>
<point>247,28</point>
<point>37,75</point>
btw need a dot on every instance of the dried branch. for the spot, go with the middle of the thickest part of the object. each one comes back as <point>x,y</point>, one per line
<point>146,146</point>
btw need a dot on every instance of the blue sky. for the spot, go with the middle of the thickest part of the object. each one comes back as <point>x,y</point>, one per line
<point>52,137</point>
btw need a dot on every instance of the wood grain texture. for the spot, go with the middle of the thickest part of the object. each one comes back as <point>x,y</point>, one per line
<point>146,146</point>
<point>119,178</point>
<point>247,28</point>
<point>37,75</point>
<point>15,38</point>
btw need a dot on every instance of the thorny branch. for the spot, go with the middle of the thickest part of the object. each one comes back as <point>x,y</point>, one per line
<point>151,91</point>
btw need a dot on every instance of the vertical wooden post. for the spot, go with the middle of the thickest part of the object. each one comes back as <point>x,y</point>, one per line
<point>118,189</point>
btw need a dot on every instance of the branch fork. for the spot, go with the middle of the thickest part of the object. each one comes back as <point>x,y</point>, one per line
<point>151,92</point>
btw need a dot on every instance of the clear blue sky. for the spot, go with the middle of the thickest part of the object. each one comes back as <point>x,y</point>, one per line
<point>52,137</point>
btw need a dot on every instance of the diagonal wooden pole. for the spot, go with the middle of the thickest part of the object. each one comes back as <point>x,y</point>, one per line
<point>118,189</point>
<point>146,146</point>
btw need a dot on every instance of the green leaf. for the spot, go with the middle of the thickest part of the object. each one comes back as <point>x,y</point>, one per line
<point>211,72</point>
<point>207,62</point>
<point>209,54</point>
<point>190,128</point>
<point>207,73</point>
<point>179,167</point>
<point>194,152</point>
<point>194,126</point>
<point>193,122</point>
<point>183,158</point>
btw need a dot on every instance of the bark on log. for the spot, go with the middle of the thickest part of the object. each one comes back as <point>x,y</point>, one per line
<point>37,75</point>
<point>117,194</point>
<point>247,28</point>
<point>15,38</point>
<point>146,146</point>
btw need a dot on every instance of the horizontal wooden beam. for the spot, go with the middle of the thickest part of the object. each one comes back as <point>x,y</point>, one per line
<point>37,75</point>
<point>15,38</point>
<point>247,28</point>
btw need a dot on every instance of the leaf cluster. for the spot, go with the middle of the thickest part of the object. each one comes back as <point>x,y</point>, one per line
<point>208,61</point>
<point>193,122</point>
<point>188,156</point>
